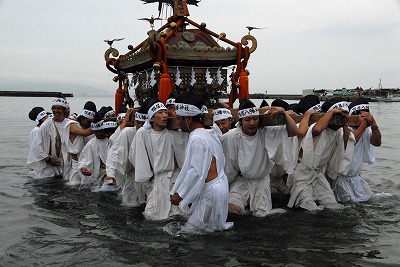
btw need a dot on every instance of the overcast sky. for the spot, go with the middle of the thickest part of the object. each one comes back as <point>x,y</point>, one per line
<point>321,44</point>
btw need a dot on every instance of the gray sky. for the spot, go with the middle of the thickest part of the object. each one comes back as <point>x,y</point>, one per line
<point>320,44</point>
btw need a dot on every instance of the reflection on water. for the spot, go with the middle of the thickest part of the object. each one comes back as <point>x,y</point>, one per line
<point>78,227</point>
<point>49,224</point>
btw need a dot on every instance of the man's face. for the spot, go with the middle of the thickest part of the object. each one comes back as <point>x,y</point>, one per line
<point>171,110</point>
<point>59,113</point>
<point>109,131</point>
<point>183,124</point>
<point>138,124</point>
<point>100,134</point>
<point>85,122</point>
<point>160,120</point>
<point>250,125</point>
<point>224,125</point>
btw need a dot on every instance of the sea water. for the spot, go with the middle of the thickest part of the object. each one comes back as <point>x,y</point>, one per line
<point>49,224</point>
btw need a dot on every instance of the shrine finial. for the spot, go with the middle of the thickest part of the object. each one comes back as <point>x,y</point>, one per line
<point>179,6</point>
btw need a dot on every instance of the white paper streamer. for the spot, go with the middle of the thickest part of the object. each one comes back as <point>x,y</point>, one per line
<point>178,79</point>
<point>208,77</point>
<point>220,80</point>
<point>152,79</point>
<point>193,81</point>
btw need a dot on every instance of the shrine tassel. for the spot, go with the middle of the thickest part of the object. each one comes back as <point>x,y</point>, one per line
<point>119,98</point>
<point>244,85</point>
<point>165,88</point>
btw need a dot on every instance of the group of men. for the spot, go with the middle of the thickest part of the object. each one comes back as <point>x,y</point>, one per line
<point>205,172</point>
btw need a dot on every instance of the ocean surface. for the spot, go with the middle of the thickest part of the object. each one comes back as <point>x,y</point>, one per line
<point>49,224</point>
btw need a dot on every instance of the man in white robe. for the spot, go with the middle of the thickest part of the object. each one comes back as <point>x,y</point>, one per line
<point>118,167</point>
<point>222,117</point>
<point>350,186</point>
<point>38,115</point>
<point>48,155</point>
<point>202,182</point>
<point>323,151</point>
<point>93,157</point>
<point>157,155</point>
<point>75,143</point>
<point>250,153</point>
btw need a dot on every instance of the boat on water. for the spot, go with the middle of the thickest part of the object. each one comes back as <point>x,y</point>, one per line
<point>388,98</point>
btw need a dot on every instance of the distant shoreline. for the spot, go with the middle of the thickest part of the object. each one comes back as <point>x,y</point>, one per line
<point>33,94</point>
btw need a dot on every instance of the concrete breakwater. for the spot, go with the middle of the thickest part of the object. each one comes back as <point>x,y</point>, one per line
<point>33,94</point>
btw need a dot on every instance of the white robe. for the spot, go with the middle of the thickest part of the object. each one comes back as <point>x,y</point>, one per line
<point>248,163</point>
<point>119,167</point>
<point>209,209</point>
<point>45,145</point>
<point>32,135</point>
<point>75,148</point>
<point>350,186</point>
<point>322,155</point>
<point>157,157</point>
<point>93,156</point>
<point>115,136</point>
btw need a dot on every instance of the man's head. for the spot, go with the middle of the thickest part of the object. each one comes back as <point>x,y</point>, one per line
<point>189,109</point>
<point>140,116</point>
<point>60,108</point>
<point>121,114</point>
<point>87,115</point>
<point>264,104</point>
<point>38,115</point>
<point>308,102</point>
<point>248,117</point>
<point>157,115</point>
<point>335,103</point>
<point>109,127</point>
<point>359,106</point>
<point>280,103</point>
<point>170,103</point>
<point>222,117</point>
<point>97,126</point>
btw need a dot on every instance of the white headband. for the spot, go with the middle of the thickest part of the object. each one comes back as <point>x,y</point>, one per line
<point>153,110</point>
<point>88,114</point>
<point>109,114</point>
<point>170,101</point>
<point>316,107</point>
<point>97,126</point>
<point>40,116</point>
<point>140,116</point>
<point>221,113</point>
<point>109,124</point>
<point>121,116</point>
<point>354,109</point>
<point>73,116</point>
<point>248,112</point>
<point>343,105</point>
<point>185,110</point>
<point>58,101</point>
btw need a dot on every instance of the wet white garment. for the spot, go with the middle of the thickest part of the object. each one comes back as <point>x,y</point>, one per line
<point>114,136</point>
<point>120,168</point>
<point>93,156</point>
<point>322,155</point>
<point>32,135</point>
<point>45,145</point>
<point>248,163</point>
<point>209,201</point>
<point>75,147</point>
<point>350,186</point>
<point>155,156</point>
<point>118,165</point>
